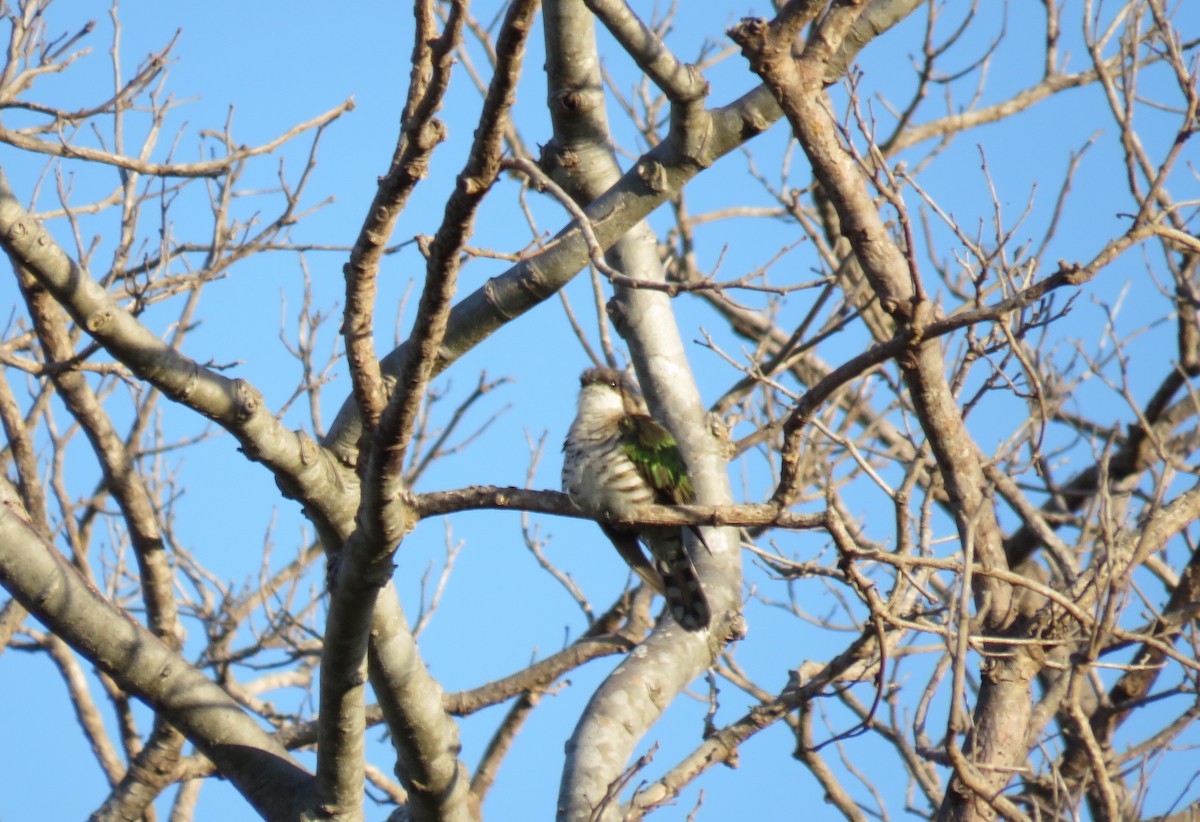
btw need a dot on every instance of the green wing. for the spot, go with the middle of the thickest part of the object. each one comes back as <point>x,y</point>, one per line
<point>656,455</point>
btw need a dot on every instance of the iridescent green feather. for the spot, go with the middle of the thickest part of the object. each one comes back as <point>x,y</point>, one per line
<point>656,454</point>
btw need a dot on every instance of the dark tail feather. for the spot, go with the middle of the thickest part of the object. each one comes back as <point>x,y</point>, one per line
<point>700,538</point>
<point>681,584</point>
<point>630,549</point>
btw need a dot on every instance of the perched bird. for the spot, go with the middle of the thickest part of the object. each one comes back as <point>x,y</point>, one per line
<point>616,456</point>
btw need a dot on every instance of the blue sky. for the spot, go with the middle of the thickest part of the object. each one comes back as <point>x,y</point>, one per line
<point>275,64</point>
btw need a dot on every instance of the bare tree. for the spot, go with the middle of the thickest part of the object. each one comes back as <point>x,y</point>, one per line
<point>964,432</point>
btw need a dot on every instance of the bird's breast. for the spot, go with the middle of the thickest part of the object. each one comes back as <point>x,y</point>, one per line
<point>598,475</point>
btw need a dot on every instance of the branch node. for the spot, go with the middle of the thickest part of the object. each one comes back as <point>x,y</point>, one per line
<point>654,175</point>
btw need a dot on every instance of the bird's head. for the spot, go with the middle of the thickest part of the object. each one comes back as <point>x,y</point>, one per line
<point>606,390</point>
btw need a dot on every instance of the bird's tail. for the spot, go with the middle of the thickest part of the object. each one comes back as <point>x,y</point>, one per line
<point>631,551</point>
<point>681,584</point>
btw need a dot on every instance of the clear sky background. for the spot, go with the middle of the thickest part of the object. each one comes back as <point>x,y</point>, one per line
<point>268,65</point>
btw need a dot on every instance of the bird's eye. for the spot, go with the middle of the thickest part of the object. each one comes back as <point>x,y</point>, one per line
<point>612,383</point>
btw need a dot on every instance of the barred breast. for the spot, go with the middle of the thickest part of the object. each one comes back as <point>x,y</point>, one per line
<point>597,474</point>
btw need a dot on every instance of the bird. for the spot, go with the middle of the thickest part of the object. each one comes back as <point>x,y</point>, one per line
<point>616,457</point>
